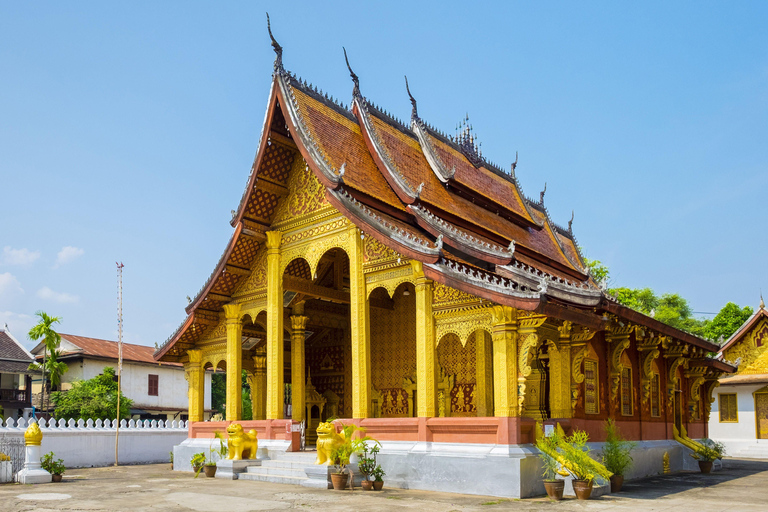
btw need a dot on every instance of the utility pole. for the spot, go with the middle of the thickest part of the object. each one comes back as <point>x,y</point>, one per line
<point>119,350</point>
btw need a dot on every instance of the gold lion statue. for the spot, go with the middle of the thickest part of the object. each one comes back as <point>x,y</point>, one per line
<point>327,441</point>
<point>239,444</point>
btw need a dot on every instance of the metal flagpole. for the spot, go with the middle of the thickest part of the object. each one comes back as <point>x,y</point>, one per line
<point>119,350</point>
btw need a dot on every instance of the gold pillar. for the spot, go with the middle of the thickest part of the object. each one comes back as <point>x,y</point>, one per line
<point>298,398</point>
<point>530,390</point>
<point>504,361</point>
<point>234,362</point>
<point>426,357</point>
<point>196,378</point>
<point>560,374</point>
<point>275,348</point>
<point>484,374</point>
<point>360,328</point>
<point>258,384</point>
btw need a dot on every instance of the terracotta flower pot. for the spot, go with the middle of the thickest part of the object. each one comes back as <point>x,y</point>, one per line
<point>196,469</point>
<point>367,485</point>
<point>582,488</point>
<point>554,489</point>
<point>705,466</point>
<point>339,481</point>
<point>210,471</point>
<point>616,482</point>
<point>56,478</point>
<point>378,485</point>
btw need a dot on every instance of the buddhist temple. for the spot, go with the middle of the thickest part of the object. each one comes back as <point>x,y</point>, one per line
<point>740,415</point>
<point>387,274</point>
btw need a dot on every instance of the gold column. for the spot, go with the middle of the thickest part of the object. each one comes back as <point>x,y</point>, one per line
<point>298,398</point>
<point>504,361</point>
<point>258,383</point>
<point>275,348</point>
<point>234,362</point>
<point>426,358</point>
<point>360,328</point>
<point>196,378</point>
<point>484,374</point>
<point>560,374</point>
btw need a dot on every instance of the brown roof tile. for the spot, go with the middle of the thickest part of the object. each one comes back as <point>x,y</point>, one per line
<point>108,349</point>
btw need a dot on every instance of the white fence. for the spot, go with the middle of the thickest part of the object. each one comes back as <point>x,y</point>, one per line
<point>89,443</point>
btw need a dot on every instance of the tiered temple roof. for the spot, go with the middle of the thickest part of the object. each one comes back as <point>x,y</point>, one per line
<point>425,195</point>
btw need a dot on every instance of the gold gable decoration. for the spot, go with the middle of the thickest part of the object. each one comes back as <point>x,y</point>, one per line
<point>751,351</point>
<point>306,194</point>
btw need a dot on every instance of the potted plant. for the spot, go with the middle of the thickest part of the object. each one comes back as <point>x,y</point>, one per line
<point>171,454</point>
<point>54,467</point>
<point>577,461</point>
<point>548,445</point>
<point>197,462</point>
<point>616,454</point>
<point>707,452</point>
<point>210,465</point>
<point>367,465</point>
<point>378,480</point>
<point>340,455</point>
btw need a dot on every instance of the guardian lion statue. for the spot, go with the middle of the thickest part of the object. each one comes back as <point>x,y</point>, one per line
<point>327,441</point>
<point>239,444</point>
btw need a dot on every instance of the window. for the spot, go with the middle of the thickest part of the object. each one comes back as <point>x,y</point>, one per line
<point>153,385</point>
<point>591,387</point>
<point>655,396</point>
<point>729,412</point>
<point>626,391</point>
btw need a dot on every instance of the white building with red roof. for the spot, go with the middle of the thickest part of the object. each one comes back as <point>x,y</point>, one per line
<point>158,389</point>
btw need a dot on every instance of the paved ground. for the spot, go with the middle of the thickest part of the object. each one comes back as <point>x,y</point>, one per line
<point>741,486</point>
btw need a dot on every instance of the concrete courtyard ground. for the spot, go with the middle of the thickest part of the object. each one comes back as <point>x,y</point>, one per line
<point>741,486</point>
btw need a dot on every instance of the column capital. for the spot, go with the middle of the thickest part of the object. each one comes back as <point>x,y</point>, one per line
<point>195,356</point>
<point>273,239</point>
<point>232,312</point>
<point>503,315</point>
<point>299,322</point>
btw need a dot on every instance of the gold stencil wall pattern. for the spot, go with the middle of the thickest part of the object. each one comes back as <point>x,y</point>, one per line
<point>460,361</point>
<point>306,195</point>
<point>393,351</point>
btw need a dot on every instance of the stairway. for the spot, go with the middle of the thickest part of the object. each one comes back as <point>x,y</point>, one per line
<point>755,451</point>
<point>284,468</point>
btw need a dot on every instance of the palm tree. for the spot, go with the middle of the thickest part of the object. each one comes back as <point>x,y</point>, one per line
<point>51,339</point>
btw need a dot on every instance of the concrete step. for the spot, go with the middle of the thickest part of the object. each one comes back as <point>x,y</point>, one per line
<point>272,478</point>
<point>286,463</point>
<point>300,457</point>
<point>276,471</point>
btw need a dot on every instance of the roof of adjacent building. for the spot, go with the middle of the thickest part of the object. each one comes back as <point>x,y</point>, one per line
<point>747,326</point>
<point>425,195</point>
<point>14,358</point>
<point>102,349</point>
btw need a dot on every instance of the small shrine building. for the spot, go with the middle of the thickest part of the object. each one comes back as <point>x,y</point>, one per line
<point>387,274</point>
<point>740,415</point>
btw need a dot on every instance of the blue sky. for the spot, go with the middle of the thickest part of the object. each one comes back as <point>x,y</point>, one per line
<point>127,133</point>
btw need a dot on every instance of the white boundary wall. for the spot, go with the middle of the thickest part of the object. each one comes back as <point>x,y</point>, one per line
<point>92,443</point>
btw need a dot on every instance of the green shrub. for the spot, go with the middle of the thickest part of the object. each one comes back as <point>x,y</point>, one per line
<point>616,450</point>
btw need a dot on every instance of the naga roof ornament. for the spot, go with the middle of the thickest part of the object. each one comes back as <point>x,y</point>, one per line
<point>355,79</point>
<point>275,46</point>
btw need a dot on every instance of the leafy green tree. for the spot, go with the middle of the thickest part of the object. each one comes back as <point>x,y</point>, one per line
<point>44,331</point>
<point>727,321</point>
<point>639,299</point>
<point>600,272</point>
<point>218,392</point>
<point>94,398</point>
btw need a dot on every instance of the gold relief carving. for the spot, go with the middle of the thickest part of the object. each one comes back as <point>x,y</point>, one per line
<point>314,249</point>
<point>323,224</point>
<point>647,372</point>
<point>577,356</point>
<point>389,280</point>
<point>527,326</point>
<point>306,193</point>
<point>219,332</point>
<point>618,337</point>
<point>750,348</point>
<point>447,296</point>
<point>709,387</point>
<point>374,251</point>
<point>462,324</point>
<point>672,379</point>
<point>258,278</point>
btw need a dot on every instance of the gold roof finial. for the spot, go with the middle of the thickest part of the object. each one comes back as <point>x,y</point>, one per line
<point>33,436</point>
